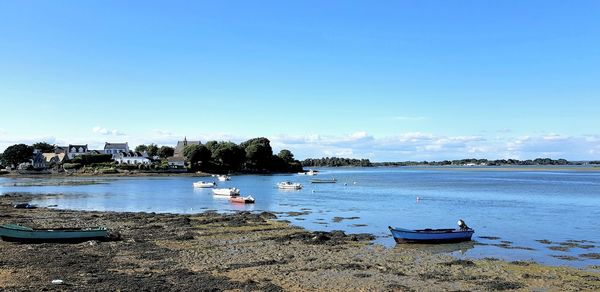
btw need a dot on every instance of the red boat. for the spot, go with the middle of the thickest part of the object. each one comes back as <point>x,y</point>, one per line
<point>242,200</point>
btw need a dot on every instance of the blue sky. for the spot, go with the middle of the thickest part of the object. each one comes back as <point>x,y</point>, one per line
<point>385,80</point>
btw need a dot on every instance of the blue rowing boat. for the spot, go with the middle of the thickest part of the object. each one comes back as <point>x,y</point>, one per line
<point>431,235</point>
<point>14,232</point>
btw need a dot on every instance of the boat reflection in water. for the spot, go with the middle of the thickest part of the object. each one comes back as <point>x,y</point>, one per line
<point>241,207</point>
<point>461,248</point>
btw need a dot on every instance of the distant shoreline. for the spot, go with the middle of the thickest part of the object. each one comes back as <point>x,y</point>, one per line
<point>476,168</point>
<point>467,162</point>
<point>521,168</point>
<point>504,168</point>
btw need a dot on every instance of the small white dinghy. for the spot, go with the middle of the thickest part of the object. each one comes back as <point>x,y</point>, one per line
<point>229,192</point>
<point>286,185</point>
<point>204,184</point>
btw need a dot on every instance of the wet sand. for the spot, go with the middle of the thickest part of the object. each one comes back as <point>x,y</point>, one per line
<point>246,252</point>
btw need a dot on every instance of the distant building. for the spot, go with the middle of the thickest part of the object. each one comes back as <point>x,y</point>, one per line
<point>61,149</point>
<point>76,150</point>
<point>181,146</point>
<point>54,158</point>
<point>176,162</point>
<point>115,148</point>
<point>131,158</point>
<point>38,161</point>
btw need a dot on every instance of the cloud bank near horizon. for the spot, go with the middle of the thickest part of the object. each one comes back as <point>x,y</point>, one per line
<point>426,146</point>
<point>401,147</point>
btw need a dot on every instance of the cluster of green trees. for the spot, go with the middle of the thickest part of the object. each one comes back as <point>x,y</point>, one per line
<point>16,154</point>
<point>254,155</point>
<point>154,150</point>
<point>88,159</point>
<point>19,153</point>
<point>44,147</point>
<point>335,162</point>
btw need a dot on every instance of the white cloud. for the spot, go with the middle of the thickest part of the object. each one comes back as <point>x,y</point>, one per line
<point>427,146</point>
<point>359,135</point>
<point>477,149</point>
<point>361,144</point>
<point>162,132</point>
<point>105,131</point>
<point>593,138</point>
<point>555,137</point>
<point>100,130</point>
<point>8,139</point>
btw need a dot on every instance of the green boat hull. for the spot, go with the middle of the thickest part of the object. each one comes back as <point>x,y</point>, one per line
<point>13,232</point>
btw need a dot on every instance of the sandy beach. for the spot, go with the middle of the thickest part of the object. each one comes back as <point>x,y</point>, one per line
<point>246,252</point>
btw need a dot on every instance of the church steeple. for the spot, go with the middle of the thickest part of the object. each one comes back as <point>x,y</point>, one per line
<point>184,141</point>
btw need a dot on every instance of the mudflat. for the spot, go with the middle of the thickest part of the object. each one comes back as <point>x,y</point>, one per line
<point>245,252</point>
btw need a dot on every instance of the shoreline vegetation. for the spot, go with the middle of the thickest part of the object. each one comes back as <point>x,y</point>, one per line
<point>350,162</point>
<point>91,172</point>
<point>254,156</point>
<point>246,251</point>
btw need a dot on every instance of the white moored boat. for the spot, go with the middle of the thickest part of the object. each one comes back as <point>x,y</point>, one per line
<point>223,177</point>
<point>204,184</point>
<point>229,192</point>
<point>286,185</point>
<point>309,172</point>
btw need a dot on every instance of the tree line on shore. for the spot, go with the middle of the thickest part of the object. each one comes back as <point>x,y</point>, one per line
<point>154,151</point>
<point>252,156</point>
<point>20,153</point>
<point>482,162</point>
<point>338,162</point>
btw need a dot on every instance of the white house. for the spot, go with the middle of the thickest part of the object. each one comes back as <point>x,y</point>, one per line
<point>176,162</point>
<point>115,148</point>
<point>130,157</point>
<point>76,150</point>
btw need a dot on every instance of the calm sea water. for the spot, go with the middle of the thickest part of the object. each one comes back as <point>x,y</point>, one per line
<point>517,207</point>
